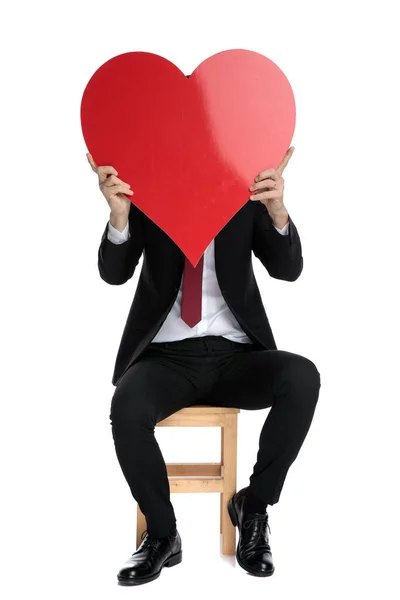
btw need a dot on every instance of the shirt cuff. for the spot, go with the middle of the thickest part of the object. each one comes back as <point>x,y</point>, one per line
<point>118,237</point>
<point>284,230</point>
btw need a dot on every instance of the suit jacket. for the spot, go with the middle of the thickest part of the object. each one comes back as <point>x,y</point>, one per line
<point>250,229</point>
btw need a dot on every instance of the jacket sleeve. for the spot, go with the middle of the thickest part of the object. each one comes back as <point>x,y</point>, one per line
<point>117,262</point>
<point>280,254</point>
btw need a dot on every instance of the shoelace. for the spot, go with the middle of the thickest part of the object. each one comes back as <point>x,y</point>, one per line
<point>150,541</point>
<point>251,517</point>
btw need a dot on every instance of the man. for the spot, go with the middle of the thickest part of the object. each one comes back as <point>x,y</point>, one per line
<point>215,347</point>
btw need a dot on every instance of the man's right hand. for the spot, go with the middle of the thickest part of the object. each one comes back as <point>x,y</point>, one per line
<point>113,189</point>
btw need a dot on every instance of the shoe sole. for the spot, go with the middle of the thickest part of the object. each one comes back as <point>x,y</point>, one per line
<point>173,560</point>
<point>234,518</point>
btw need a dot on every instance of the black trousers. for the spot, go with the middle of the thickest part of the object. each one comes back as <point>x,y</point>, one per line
<point>213,371</point>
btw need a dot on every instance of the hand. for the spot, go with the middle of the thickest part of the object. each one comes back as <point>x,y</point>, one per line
<point>272,180</point>
<point>112,188</point>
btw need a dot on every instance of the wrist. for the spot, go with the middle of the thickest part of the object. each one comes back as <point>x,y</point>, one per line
<point>119,221</point>
<point>281,219</point>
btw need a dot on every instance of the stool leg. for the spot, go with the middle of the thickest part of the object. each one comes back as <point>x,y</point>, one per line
<point>221,496</point>
<point>229,482</point>
<point>141,525</point>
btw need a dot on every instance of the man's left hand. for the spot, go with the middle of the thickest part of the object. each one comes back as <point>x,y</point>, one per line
<point>272,180</point>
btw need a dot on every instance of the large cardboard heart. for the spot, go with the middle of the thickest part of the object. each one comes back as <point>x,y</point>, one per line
<point>189,148</point>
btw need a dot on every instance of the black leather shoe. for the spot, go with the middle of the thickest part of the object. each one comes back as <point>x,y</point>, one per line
<point>253,551</point>
<point>152,555</point>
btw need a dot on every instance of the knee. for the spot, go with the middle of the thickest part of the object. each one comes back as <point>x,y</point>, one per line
<point>304,373</point>
<point>129,412</point>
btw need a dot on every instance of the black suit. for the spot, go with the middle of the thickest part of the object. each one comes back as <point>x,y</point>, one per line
<point>210,370</point>
<point>249,229</point>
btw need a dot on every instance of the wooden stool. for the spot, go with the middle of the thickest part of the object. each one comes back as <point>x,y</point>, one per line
<point>205,477</point>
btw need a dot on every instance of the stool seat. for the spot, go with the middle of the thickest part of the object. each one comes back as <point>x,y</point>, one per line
<point>219,477</point>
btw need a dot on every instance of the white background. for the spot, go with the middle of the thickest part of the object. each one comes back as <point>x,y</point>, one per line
<point>68,519</point>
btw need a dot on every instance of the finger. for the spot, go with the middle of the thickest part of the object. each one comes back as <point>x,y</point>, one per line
<point>117,189</point>
<point>265,195</point>
<point>107,170</point>
<point>91,161</point>
<point>102,171</point>
<point>285,160</point>
<point>112,180</point>
<point>269,173</point>
<point>264,183</point>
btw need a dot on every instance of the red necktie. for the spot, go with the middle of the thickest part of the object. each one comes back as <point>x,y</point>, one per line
<point>191,292</point>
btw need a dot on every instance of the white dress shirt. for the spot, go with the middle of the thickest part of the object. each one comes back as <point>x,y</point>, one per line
<point>216,319</point>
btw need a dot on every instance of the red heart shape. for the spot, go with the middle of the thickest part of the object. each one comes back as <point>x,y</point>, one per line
<point>189,148</point>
